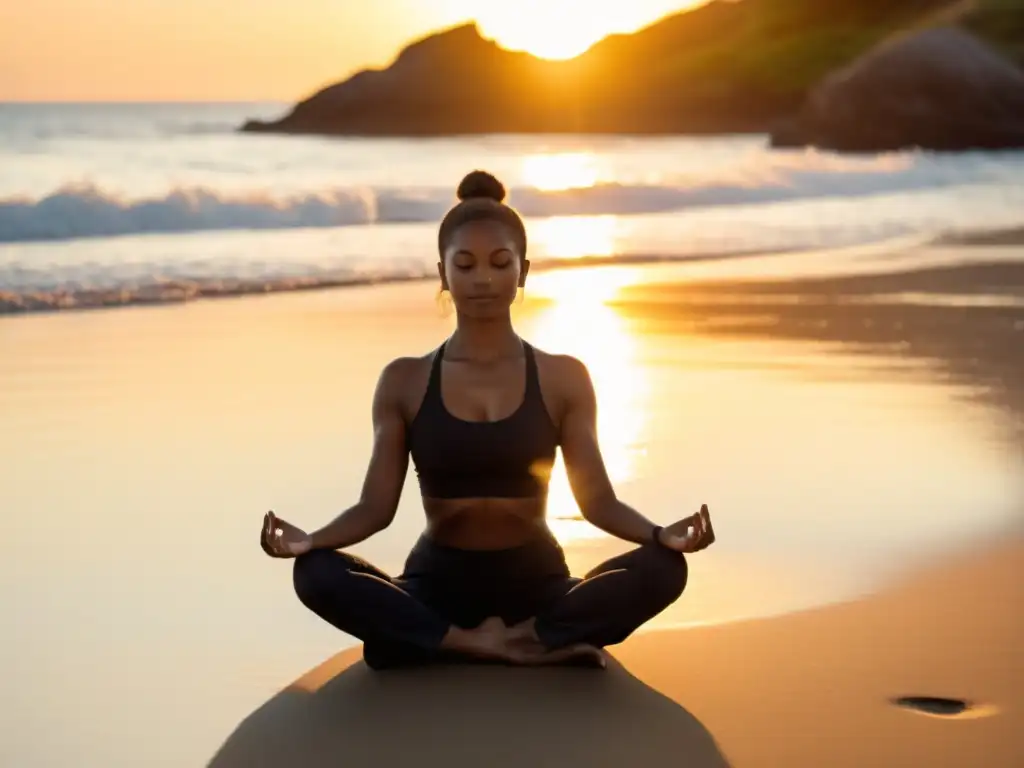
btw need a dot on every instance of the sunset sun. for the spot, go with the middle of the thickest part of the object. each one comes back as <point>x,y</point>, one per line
<point>561,29</point>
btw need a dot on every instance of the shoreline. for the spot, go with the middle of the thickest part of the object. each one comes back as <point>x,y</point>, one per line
<point>171,292</point>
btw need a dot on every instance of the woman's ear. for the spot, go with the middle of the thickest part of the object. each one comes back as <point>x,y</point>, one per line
<point>523,271</point>
<point>442,276</point>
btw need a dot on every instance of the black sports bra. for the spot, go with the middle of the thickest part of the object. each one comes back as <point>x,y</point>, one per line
<point>508,458</point>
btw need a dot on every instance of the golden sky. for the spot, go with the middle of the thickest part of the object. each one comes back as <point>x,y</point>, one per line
<point>156,50</point>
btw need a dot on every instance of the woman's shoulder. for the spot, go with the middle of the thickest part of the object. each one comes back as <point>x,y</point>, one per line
<point>564,382</point>
<point>560,363</point>
<point>565,373</point>
<point>404,372</point>
<point>403,382</point>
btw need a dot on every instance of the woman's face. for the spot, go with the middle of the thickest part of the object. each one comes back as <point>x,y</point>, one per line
<point>482,269</point>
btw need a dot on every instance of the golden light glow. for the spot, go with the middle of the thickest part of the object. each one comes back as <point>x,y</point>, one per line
<point>579,322</point>
<point>569,237</point>
<point>564,170</point>
<point>573,237</point>
<point>561,29</point>
<point>276,51</point>
<point>585,292</point>
<point>546,28</point>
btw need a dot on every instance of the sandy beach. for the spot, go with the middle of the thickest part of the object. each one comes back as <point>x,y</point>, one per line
<point>857,437</point>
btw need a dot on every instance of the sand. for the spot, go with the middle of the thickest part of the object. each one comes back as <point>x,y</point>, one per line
<point>845,430</point>
<point>815,688</point>
<point>964,320</point>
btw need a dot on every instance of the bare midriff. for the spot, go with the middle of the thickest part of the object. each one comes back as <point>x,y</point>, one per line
<point>484,523</point>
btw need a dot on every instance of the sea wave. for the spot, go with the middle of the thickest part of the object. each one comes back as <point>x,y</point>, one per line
<point>148,288</point>
<point>85,210</point>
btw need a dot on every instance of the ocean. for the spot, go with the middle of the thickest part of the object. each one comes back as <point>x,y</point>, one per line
<point>108,204</point>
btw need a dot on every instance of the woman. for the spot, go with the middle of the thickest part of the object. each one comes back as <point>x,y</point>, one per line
<point>481,418</point>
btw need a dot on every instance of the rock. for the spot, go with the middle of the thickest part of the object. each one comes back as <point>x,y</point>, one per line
<point>939,89</point>
<point>786,134</point>
<point>458,82</point>
<point>436,86</point>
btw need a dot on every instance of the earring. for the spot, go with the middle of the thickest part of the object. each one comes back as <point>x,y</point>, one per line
<point>445,304</point>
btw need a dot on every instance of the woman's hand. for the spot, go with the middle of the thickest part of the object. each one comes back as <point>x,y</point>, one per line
<point>691,534</point>
<point>282,539</point>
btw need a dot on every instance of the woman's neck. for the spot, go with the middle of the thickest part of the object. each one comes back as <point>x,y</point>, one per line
<point>484,341</point>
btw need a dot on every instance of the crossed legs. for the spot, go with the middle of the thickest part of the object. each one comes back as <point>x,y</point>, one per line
<point>404,621</point>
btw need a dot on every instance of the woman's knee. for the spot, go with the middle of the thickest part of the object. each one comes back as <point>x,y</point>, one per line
<point>666,572</point>
<point>313,575</point>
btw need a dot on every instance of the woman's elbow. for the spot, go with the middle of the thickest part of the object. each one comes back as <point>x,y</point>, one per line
<point>596,506</point>
<point>379,514</point>
<point>377,519</point>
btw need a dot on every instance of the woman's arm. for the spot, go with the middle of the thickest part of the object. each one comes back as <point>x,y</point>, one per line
<point>584,464</point>
<point>385,475</point>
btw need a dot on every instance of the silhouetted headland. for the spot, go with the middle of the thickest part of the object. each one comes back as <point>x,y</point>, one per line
<point>790,67</point>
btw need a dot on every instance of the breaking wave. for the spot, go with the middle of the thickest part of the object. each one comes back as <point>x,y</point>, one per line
<point>84,210</point>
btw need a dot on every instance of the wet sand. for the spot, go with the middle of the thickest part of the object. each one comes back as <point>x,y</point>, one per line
<point>965,322</point>
<point>847,432</point>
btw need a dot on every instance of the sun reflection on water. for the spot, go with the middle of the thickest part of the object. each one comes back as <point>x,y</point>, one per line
<point>573,237</point>
<point>569,237</point>
<point>579,322</point>
<point>551,172</point>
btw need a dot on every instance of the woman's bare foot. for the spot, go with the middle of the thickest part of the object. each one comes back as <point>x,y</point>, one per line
<point>516,645</point>
<point>489,640</point>
<point>537,656</point>
<point>585,655</point>
<point>526,648</point>
<point>526,645</point>
<point>523,632</point>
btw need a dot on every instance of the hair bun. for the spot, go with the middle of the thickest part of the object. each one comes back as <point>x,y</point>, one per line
<point>481,184</point>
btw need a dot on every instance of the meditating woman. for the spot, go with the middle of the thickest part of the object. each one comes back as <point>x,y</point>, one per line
<point>482,417</point>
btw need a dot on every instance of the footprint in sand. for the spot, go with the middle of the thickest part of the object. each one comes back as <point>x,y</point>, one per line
<point>939,706</point>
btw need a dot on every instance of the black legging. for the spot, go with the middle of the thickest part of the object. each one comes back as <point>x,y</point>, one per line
<point>402,620</point>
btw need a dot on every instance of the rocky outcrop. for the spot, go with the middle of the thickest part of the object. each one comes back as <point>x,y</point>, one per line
<point>939,89</point>
<point>724,67</point>
<point>458,82</point>
<point>449,83</point>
